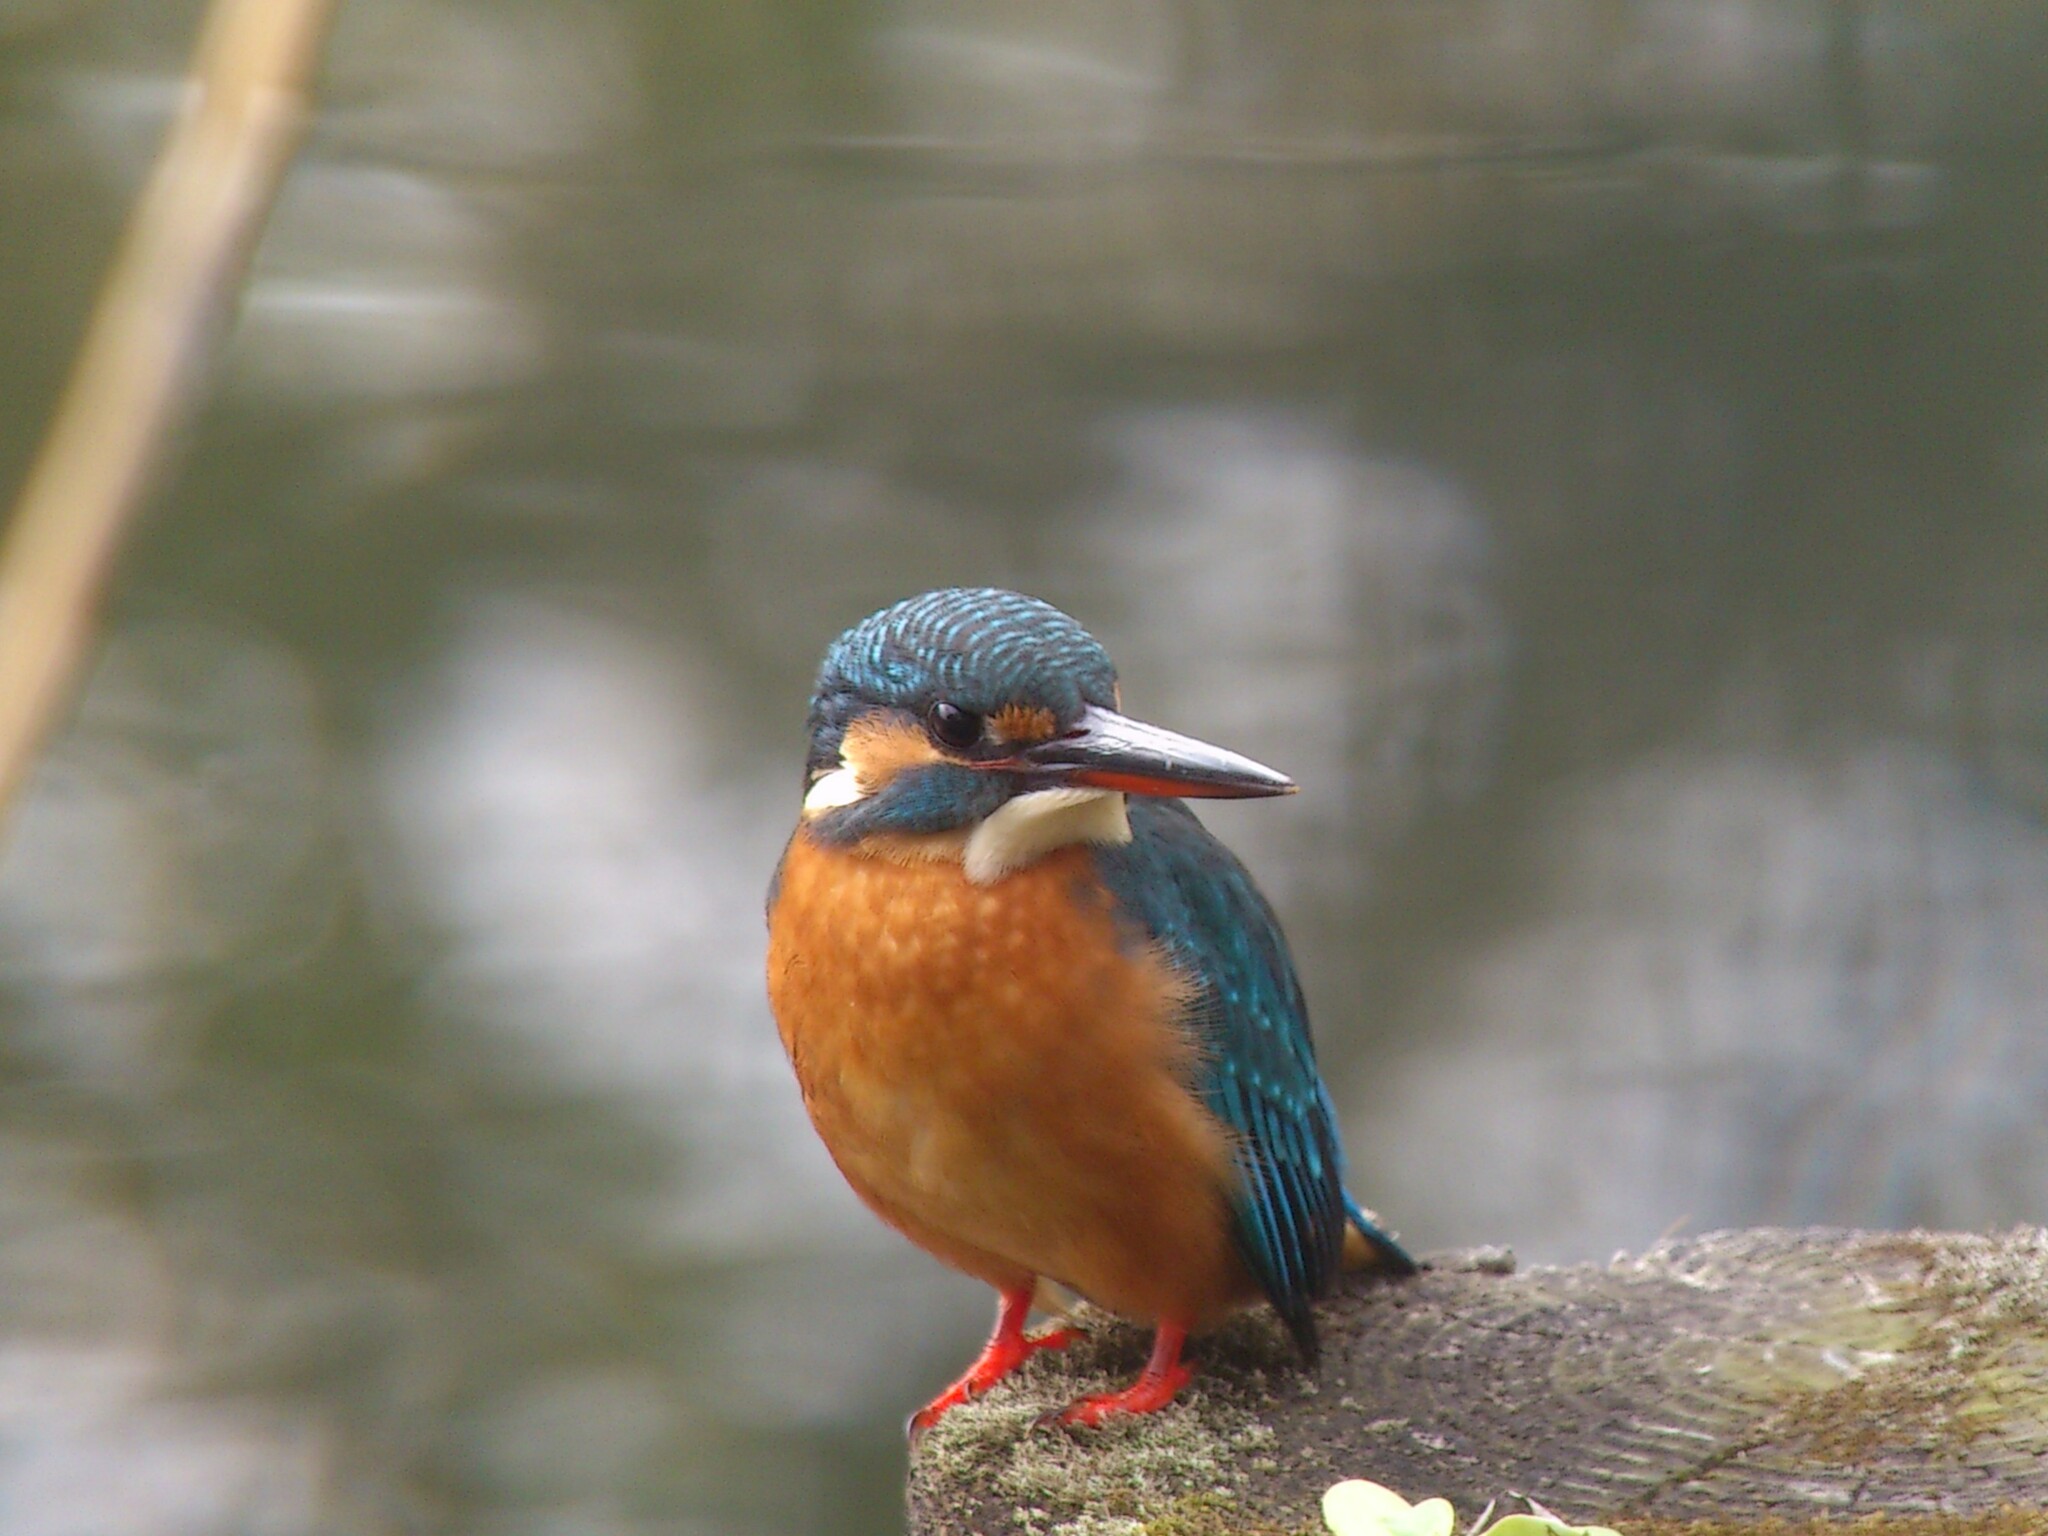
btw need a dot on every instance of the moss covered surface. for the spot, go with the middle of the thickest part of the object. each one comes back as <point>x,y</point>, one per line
<point>1195,1517</point>
<point>1880,1385</point>
<point>1182,1472</point>
<point>2010,1521</point>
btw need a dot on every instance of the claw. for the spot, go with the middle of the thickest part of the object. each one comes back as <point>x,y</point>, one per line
<point>1163,1377</point>
<point>1008,1347</point>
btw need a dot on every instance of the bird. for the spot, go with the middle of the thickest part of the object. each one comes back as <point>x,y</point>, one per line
<point>1044,1022</point>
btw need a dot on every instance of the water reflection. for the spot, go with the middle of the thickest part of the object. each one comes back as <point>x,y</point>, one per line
<point>1742,989</point>
<point>1378,681</point>
<point>177,844</point>
<point>1596,448</point>
<point>95,1446</point>
<point>564,817</point>
<point>383,289</point>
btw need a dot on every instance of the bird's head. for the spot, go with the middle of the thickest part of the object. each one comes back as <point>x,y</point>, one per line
<point>983,721</point>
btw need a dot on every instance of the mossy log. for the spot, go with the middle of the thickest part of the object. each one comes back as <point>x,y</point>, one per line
<point>1765,1380</point>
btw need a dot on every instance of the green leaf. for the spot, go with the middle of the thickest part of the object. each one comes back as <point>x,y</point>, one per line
<point>1360,1508</point>
<point>1540,1525</point>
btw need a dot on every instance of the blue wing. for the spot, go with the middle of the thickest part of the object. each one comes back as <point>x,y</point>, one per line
<point>1188,893</point>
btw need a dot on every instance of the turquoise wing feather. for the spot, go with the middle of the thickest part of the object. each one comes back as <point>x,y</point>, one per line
<point>1178,887</point>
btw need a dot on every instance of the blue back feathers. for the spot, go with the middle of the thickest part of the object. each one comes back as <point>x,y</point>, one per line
<point>1181,888</point>
<point>977,647</point>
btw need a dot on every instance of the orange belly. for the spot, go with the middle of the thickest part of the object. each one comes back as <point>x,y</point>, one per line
<point>1004,1081</point>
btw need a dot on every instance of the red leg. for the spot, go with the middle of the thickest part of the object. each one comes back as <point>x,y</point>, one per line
<point>1007,1348</point>
<point>1163,1376</point>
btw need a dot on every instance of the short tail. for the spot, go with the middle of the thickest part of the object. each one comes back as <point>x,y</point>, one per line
<point>1367,1247</point>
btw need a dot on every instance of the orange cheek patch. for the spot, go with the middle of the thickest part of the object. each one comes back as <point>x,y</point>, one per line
<point>879,747</point>
<point>1023,724</point>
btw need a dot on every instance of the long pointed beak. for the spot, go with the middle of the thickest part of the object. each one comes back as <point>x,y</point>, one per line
<point>1107,750</point>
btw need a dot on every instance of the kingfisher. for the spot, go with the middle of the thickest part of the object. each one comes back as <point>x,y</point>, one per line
<point>1045,1023</point>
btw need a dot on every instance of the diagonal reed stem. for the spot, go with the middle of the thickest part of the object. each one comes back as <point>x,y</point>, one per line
<point>148,351</point>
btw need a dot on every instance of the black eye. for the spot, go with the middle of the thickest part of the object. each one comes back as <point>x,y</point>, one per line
<point>953,726</point>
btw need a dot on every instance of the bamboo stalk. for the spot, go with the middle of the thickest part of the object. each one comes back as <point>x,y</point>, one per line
<point>148,350</point>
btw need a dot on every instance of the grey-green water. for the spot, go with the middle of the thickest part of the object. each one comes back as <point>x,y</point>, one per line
<point>1599,448</point>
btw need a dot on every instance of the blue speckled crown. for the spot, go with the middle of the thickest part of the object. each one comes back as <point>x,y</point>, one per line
<point>978,647</point>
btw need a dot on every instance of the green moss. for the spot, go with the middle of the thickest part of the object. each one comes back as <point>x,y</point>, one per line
<point>2001,1522</point>
<point>1207,1514</point>
<point>1112,1481</point>
<point>1210,1515</point>
<point>1203,1516</point>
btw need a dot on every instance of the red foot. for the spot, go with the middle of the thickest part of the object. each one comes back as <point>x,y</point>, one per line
<point>1164,1375</point>
<point>1007,1348</point>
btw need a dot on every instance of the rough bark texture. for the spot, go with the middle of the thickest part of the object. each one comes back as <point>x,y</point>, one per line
<point>1741,1376</point>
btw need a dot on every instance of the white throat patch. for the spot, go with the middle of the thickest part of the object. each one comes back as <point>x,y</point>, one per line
<point>839,787</point>
<point>1025,829</point>
<point>1021,831</point>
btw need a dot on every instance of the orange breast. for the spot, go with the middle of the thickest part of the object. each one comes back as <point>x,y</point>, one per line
<point>1002,1079</point>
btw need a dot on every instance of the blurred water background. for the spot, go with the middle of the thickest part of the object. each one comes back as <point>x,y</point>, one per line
<point>1599,447</point>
